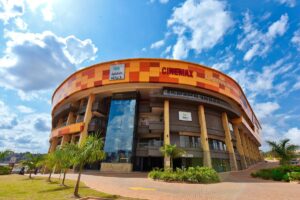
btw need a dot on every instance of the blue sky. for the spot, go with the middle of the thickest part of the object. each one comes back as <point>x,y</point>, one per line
<point>43,41</point>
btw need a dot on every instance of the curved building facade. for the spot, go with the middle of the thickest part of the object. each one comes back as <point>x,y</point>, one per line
<point>138,105</point>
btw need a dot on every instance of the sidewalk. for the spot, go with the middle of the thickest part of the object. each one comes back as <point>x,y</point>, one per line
<point>235,186</point>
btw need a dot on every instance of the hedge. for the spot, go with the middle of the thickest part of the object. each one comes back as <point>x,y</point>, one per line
<point>190,175</point>
<point>282,173</point>
<point>4,170</point>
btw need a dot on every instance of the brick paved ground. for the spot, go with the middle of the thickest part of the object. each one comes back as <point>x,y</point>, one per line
<point>235,186</point>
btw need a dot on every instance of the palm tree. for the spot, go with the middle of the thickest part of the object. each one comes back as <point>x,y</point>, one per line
<point>32,162</point>
<point>4,154</point>
<point>88,152</point>
<point>64,159</point>
<point>283,150</point>
<point>171,151</point>
<point>49,162</point>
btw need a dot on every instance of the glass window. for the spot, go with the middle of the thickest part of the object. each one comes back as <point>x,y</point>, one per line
<point>217,145</point>
<point>120,130</point>
<point>189,141</point>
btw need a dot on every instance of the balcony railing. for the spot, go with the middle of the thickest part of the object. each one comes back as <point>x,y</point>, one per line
<point>70,129</point>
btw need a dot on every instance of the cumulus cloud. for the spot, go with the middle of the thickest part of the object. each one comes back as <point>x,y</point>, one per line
<point>294,135</point>
<point>32,58</point>
<point>289,3</point>
<point>296,39</point>
<point>265,109</point>
<point>198,25</point>
<point>31,133</point>
<point>225,64</point>
<point>257,43</point>
<point>47,13</point>
<point>8,119</point>
<point>158,44</point>
<point>11,9</point>
<point>20,24</point>
<point>25,109</point>
<point>263,83</point>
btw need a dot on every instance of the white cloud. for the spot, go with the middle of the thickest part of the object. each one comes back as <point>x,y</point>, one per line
<point>47,13</point>
<point>25,109</point>
<point>31,133</point>
<point>289,3</point>
<point>20,24</point>
<point>263,83</point>
<point>8,119</point>
<point>11,9</point>
<point>158,44</point>
<point>225,64</point>
<point>257,43</point>
<point>265,109</point>
<point>180,49</point>
<point>296,86</point>
<point>296,39</point>
<point>205,21</point>
<point>36,57</point>
<point>294,135</point>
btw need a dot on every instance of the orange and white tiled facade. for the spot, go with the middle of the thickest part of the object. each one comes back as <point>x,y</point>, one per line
<point>149,76</point>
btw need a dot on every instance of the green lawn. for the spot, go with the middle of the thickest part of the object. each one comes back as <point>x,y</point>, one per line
<point>17,187</point>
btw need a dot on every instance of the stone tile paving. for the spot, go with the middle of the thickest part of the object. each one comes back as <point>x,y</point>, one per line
<point>235,186</point>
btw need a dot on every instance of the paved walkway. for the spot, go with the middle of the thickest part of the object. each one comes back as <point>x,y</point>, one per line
<point>235,186</point>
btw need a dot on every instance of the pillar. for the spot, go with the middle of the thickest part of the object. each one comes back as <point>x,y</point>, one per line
<point>71,118</point>
<point>204,137</point>
<point>167,161</point>
<point>239,146</point>
<point>246,152</point>
<point>53,144</point>
<point>248,141</point>
<point>228,141</point>
<point>87,118</point>
<point>65,139</point>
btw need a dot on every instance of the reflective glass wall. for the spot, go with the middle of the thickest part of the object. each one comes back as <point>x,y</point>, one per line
<point>120,131</point>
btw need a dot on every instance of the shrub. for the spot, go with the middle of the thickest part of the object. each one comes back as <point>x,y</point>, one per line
<point>294,176</point>
<point>281,173</point>
<point>4,170</point>
<point>191,175</point>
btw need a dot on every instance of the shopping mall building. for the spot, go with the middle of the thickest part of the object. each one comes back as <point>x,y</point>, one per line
<point>140,104</point>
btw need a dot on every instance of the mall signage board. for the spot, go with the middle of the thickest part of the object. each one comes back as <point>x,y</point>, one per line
<point>117,72</point>
<point>185,116</point>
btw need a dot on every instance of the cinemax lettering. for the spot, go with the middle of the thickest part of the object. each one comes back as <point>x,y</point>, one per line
<point>177,71</point>
<point>194,96</point>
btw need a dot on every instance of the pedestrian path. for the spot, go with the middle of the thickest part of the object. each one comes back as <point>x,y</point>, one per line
<point>235,186</point>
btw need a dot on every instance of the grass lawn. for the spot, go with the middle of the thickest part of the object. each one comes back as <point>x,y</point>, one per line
<point>18,187</point>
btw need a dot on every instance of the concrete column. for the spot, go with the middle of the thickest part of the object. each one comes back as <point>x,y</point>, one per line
<point>249,149</point>
<point>71,118</point>
<point>53,144</point>
<point>239,146</point>
<point>87,118</point>
<point>204,137</point>
<point>246,152</point>
<point>65,139</point>
<point>167,161</point>
<point>228,141</point>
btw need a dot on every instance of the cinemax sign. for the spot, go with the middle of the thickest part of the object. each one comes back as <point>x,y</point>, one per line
<point>117,72</point>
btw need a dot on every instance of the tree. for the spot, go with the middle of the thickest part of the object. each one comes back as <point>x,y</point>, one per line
<point>49,162</point>
<point>4,154</point>
<point>285,151</point>
<point>64,159</point>
<point>171,151</point>
<point>32,162</point>
<point>88,152</point>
